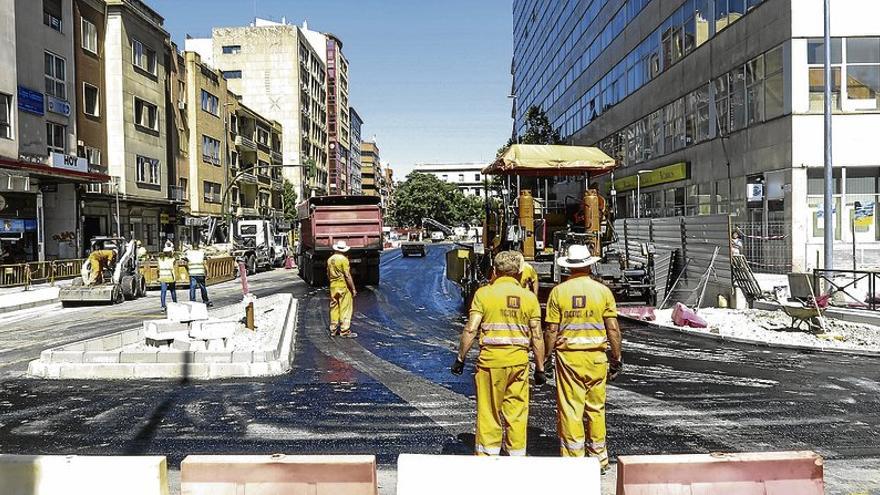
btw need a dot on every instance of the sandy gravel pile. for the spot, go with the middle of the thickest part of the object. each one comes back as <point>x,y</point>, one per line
<point>775,327</point>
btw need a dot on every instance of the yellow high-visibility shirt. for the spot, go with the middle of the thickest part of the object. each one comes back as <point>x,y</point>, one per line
<point>580,307</point>
<point>529,277</point>
<point>337,267</point>
<point>506,310</point>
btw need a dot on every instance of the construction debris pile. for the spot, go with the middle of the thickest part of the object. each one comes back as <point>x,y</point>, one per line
<point>775,327</point>
<point>188,327</point>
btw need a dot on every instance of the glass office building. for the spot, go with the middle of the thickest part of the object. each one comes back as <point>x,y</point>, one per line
<point>716,106</point>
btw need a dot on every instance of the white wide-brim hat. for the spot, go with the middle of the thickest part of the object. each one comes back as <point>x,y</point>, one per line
<point>168,249</point>
<point>341,247</point>
<point>578,256</point>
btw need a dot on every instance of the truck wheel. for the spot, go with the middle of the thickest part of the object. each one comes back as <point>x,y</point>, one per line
<point>77,282</point>
<point>314,277</point>
<point>251,265</point>
<point>128,287</point>
<point>373,277</point>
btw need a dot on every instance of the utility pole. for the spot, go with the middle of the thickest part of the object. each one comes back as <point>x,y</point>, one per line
<point>828,207</point>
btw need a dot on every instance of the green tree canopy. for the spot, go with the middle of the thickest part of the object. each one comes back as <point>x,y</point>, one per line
<point>426,196</point>
<point>288,201</point>
<point>538,130</point>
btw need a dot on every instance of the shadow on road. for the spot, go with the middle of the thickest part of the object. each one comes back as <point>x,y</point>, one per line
<point>141,442</point>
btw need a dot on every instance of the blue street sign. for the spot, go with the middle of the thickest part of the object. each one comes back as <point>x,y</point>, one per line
<point>31,101</point>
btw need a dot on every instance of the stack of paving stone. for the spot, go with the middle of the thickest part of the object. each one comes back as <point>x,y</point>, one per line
<point>187,327</point>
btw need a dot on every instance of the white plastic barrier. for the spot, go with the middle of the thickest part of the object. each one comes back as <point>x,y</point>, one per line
<point>92,475</point>
<point>463,475</point>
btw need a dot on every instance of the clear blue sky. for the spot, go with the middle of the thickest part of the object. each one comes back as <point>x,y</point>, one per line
<point>429,77</point>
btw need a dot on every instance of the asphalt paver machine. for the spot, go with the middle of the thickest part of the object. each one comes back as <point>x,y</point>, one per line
<point>120,281</point>
<point>542,228</point>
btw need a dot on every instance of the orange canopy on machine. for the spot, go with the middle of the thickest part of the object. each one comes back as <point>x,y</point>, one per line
<point>546,160</point>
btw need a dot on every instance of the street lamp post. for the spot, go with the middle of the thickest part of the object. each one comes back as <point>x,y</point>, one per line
<point>829,174</point>
<point>639,191</point>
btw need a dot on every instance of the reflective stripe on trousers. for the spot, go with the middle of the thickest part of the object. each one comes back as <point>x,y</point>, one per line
<point>580,396</point>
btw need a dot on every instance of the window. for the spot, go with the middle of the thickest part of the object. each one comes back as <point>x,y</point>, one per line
<point>55,69</point>
<point>816,60</point>
<point>210,103</point>
<point>774,89</point>
<point>262,136</point>
<point>148,170</point>
<point>143,57</point>
<point>146,115</point>
<point>92,155</point>
<point>212,192</point>
<point>90,100</point>
<point>56,135</point>
<point>52,14</point>
<point>182,186</point>
<point>461,177</point>
<point>5,116</point>
<point>231,49</point>
<point>476,177</point>
<point>210,150</point>
<point>232,74</point>
<point>755,90</point>
<point>89,36</point>
<point>862,74</point>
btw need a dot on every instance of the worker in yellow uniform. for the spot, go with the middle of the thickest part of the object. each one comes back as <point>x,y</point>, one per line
<point>582,328</point>
<point>342,291</point>
<point>99,261</point>
<point>167,275</point>
<point>508,321</point>
<point>528,279</point>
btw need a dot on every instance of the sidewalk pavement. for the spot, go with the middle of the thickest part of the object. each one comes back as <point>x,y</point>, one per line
<point>17,298</point>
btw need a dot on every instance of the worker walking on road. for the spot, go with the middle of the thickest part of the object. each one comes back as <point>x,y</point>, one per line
<point>99,261</point>
<point>167,274</point>
<point>582,328</point>
<point>508,321</point>
<point>528,279</point>
<point>342,291</point>
<point>195,265</point>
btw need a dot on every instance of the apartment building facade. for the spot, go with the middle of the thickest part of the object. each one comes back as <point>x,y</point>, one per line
<point>714,106</point>
<point>371,169</point>
<point>355,128</point>
<point>467,177</point>
<point>279,74</point>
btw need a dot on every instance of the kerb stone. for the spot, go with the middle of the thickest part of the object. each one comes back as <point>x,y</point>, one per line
<point>187,312</point>
<point>212,329</point>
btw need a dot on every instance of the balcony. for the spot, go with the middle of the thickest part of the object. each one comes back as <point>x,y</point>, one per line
<point>247,212</point>
<point>247,175</point>
<point>177,193</point>
<point>245,143</point>
<point>277,157</point>
<point>264,179</point>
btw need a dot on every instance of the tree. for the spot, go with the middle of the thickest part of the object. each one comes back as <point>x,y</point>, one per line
<point>288,201</point>
<point>425,196</point>
<point>538,130</point>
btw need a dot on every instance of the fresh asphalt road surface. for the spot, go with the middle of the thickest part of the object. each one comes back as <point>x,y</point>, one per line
<point>389,391</point>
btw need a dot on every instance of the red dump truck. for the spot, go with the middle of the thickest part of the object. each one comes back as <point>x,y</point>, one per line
<point>324,220</point>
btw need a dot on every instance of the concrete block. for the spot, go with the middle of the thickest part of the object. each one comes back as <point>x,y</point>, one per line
<point>263,356</point>
<point>164,327</point>
<point>213,329</point>
<point>175,356</point>
<point>231,370</point>
<point>101,357</point>
<point>130,337</point>
<point>187,311</point>
<point>172,370</point>
<point>139,356</point>
<point>213,357</point>
<point>111,371</point>
<point>769,473</point>
<point>182,343</point>
<point>217,345</point>
<point>264,475</point>
<point>93,345</point>
<point>430,475</point>
<point>112,342</point>
<point>95,475</point>
<point>66,356</point>
<point>242,356</point>
<point>75,346</point>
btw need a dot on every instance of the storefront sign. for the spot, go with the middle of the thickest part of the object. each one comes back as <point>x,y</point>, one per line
<point>863,215</point>
<point>11,225</point>
<point>55,105</point>
<point>670,173</point>
<point>68,162</point>
<point>30,101</point>
<point>163,218</point>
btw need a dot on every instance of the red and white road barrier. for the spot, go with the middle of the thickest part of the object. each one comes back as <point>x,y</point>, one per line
<point>94,475</point>
<point>766,473</point>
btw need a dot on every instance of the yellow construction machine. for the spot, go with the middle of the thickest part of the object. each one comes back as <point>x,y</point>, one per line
<point>521,215</point>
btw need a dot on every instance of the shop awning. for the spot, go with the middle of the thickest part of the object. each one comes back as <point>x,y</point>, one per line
<point>53,174</point>
<point>551,161</point>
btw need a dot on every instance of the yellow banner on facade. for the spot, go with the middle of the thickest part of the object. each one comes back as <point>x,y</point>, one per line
<point>662,175</point>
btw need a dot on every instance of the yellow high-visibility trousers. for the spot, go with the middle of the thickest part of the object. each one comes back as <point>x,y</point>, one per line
<point>580,397</point>
<point>341,309</point>
<point>502,410</point>
<point>96,268</point>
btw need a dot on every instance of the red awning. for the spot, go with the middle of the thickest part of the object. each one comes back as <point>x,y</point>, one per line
<point>52,172</point>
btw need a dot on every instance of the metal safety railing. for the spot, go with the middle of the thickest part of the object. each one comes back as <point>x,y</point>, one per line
<point>856,289</point>
<point>38,272</point>
<point>766,246</point>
